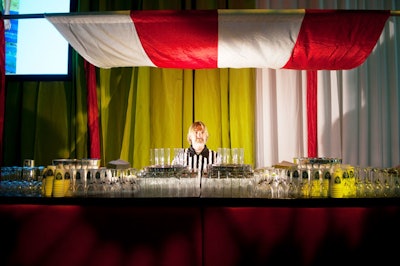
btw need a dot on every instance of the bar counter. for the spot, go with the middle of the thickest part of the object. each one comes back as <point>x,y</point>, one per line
<point>198,231</point>
<point>200,202</point>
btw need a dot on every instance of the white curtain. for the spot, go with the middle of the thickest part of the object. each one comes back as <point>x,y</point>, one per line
<point>358,109</point>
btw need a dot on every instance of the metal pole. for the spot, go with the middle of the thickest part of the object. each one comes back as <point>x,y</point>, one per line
<point>269,11</point>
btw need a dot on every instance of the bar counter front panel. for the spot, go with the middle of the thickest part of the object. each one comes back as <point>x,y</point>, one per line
<point>198,231</point>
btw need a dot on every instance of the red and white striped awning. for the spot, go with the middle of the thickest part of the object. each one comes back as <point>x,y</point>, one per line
<point>196,39</point>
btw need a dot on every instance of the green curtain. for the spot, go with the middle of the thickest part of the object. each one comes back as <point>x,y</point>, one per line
<point>46,120</point>
<point>139,107</point>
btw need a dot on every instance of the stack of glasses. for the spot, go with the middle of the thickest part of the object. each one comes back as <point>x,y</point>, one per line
<point>21,181</point>
<point>168,181</point>
<point>228,181</point>
<point>230,177</point>
<point>306,178</point>
<point>325,178</point>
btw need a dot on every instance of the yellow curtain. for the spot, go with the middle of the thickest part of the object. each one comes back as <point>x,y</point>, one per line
<point>144,108</point>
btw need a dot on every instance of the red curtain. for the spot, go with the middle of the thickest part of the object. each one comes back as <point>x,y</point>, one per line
<point>92,111</point>
<point>312,113</point>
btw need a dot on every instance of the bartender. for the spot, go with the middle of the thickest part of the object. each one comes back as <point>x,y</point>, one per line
<point>198,156</point>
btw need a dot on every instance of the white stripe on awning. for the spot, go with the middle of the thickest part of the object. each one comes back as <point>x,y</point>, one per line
<point>110,37</point>
<point>252,39</point>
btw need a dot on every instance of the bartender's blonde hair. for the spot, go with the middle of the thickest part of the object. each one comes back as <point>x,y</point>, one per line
<point>197,126</point>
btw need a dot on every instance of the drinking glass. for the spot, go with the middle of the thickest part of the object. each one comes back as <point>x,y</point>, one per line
<point>263,181</point>
<point>225,154</point>
<point>240,155</point>
<point>377,182</point>
<point>388,183</point>
<point>179,155</point>
<point>293,182</point>
<point>79,188</point>
<point>152,156</point>
<point>159,156</point>
<point>369,189</point>
<point>247,186</point>
<point>237,155</point>
<point>167,156</point>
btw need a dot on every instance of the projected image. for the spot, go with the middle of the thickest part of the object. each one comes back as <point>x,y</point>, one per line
<point>10,27</point>
<point>33,45</point>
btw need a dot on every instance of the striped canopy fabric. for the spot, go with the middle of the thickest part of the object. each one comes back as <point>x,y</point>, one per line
<point>201,39</point>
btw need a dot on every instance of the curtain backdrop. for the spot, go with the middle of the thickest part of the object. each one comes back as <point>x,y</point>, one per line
<point>358,109</point>
<point>143,108</point>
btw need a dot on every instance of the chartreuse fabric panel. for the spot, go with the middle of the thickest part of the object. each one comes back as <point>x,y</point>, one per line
<point>153,108</point>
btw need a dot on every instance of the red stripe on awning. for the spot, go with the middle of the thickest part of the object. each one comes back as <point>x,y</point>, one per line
<point>336,39</point>
<point>173,39</point>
